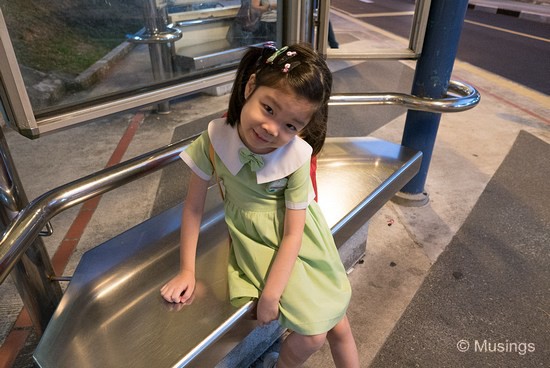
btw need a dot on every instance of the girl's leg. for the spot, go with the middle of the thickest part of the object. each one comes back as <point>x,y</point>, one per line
<point>296,349</point>
<point>342,345</point>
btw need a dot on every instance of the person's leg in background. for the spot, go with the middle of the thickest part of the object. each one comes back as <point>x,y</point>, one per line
<point>331,37</point>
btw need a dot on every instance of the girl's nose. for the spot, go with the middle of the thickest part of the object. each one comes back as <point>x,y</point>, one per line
<point>271,128</point>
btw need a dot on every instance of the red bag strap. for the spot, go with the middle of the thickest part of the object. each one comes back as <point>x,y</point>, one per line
<point>213,161</point>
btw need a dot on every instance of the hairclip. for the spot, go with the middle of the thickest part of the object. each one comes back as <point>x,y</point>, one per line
<point>284,60</point>
<point>274,56</point>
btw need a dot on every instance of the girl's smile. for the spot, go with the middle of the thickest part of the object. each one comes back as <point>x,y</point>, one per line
<point>272,117</point>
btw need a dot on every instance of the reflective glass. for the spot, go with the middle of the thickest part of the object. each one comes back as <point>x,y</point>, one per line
<point>378,27</point>
<point>77,52</point>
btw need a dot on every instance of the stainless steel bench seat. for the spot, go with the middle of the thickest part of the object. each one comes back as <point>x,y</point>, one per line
<point>112,314</point>
<point>208,54</point>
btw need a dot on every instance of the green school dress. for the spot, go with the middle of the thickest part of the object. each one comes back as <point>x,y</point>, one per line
<point>318,291</point>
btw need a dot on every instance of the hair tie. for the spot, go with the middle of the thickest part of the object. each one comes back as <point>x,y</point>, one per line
<point>281,57</point>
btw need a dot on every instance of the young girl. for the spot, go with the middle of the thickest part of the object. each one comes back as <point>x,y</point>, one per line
<point>282,251</point>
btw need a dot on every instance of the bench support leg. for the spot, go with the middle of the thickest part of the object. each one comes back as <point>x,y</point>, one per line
<point>39,294</point>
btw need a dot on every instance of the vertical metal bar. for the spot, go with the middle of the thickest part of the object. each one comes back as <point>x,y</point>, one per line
<point>308,21</point>
<point>155,23</point>
<point>421,12</point>
<point>291,21</point>
<point>322,29</point>
<point>40,295</point>
<point>431,80</point>
<point>298,22</point>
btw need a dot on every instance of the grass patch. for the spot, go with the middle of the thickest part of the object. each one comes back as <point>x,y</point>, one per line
<point>67,55</point>
<point>68,36</point>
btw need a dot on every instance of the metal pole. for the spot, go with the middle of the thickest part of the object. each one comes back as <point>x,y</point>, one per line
<point>291,16</point>
<point>308,22</point>
<point>155,23</point>
<point>31,274</point>
<point>431,80</point>
<point>321,42</point>
<point>155,14</point>
<point>297,21</point>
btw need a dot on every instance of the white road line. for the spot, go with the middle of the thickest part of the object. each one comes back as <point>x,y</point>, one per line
<point>508,31</point>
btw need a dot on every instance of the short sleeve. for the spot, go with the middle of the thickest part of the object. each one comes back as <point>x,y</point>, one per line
<point>299,190</point>
<point>197,157</point>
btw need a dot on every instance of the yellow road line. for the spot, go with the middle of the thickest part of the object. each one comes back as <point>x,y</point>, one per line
<point>503,82</point>
<point>391,14</point>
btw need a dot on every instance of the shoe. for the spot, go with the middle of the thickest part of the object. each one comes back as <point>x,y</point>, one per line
<point>270,360</point>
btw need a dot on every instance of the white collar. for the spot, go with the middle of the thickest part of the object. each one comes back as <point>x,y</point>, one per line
<point>277,164</point>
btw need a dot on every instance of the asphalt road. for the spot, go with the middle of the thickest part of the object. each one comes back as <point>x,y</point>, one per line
<point>511,47</point>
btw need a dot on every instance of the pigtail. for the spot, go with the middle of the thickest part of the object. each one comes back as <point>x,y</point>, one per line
<point>246,68</point>
<point>313,80</point>
<point>315,132</point>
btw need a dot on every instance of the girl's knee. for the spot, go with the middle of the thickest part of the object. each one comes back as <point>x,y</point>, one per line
<point>296,348</point>
<point>314,342</point>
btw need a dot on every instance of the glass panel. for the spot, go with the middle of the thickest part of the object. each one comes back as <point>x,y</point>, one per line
<point>381,28</point>
<point>254,26</point>
<point>83,59</point>
<point>77,53</point>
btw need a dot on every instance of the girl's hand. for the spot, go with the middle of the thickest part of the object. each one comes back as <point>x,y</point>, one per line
<point>268,310</point>
<point>180,288</point>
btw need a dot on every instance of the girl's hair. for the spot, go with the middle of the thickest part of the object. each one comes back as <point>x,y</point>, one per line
<point>297,67</point>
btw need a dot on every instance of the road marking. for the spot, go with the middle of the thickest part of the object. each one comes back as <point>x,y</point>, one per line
<point>406,13</point>
<point>507,31</point>
<point>504,83</point>
<point>389,14</point>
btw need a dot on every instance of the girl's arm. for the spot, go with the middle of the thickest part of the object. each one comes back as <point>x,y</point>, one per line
<point>181,287</point>
<point>268,305</point>
<point>257,4</point>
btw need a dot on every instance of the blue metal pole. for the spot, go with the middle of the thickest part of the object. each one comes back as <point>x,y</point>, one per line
<point>431,79</point>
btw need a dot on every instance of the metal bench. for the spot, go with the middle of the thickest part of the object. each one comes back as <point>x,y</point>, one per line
<point>112,314</point>
<point>204,44</point>
<point>207,55</point>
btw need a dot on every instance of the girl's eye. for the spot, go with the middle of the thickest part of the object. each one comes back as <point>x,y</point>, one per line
<point>291,127</point>
<point>268,109</point>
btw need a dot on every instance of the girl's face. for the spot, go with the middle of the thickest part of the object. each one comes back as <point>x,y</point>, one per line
<point>272,117</point>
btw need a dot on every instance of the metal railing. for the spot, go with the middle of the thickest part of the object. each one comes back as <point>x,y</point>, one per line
<point>460,97</point>
<point>26,226</point>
